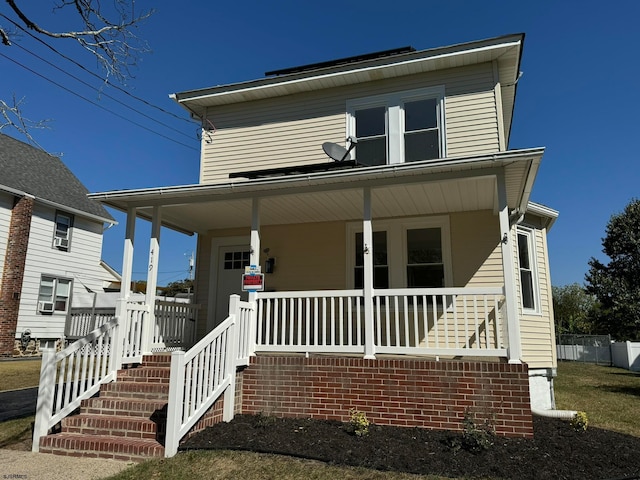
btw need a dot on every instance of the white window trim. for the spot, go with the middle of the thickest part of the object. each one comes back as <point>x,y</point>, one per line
<point>66,237</point>
<point>56,279</point>
<point>530,233</point>
<point>397,246</point>
<point>394,118</point>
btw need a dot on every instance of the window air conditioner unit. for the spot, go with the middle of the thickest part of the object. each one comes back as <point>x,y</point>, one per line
<point>61,242</point>
<point>45,307</point>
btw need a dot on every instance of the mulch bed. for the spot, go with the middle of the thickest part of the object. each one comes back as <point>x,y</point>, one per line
<point>557,451</point>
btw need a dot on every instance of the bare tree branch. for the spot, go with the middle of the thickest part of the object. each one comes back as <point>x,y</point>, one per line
<point>12,117</point>
<point>109,37</point>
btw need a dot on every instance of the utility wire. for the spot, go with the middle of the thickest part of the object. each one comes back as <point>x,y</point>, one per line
<point>97,104</point>
<point>79,65</point>
<point>103,93</point>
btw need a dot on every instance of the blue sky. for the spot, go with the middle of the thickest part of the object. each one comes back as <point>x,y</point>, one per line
<point>579,97</point>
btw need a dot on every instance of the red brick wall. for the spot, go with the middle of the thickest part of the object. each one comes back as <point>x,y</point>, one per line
<point>399,392</point>
<point>11,286</point>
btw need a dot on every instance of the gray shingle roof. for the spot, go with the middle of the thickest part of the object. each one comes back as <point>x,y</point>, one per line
<point>30,170</point>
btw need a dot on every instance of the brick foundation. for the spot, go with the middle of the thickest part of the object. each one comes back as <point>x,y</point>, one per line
<point>400,392</point>
<point>13,274</point>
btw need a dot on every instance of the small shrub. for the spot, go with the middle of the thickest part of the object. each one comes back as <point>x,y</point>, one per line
<point>476,438</point>
<point>359,423</point>
<point>580,421</point>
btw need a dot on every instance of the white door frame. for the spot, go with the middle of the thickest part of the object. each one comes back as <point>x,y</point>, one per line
<point>216,244</point>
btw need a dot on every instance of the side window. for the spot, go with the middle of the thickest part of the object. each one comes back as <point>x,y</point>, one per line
<point>53,295</point>
<point>527,270</point>
<point>62,234</point>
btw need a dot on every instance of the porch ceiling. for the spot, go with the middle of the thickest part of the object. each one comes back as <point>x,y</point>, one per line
<point>452,185</point>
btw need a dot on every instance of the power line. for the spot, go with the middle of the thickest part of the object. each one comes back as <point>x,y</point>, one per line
<point>79,65</point>
<point>97,104</point>
<point>105,94</point>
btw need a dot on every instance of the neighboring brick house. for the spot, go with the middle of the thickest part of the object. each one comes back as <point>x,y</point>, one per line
<point>50,243</point>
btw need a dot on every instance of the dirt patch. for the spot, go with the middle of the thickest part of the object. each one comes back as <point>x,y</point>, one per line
<point>557,450</point>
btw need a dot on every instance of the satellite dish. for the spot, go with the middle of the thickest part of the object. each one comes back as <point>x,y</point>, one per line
<point>338,152</point>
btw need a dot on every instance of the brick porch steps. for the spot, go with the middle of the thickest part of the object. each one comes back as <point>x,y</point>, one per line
<point>126,421</point>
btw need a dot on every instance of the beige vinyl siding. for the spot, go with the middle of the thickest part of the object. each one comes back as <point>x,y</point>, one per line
<point>80,264</point>
<point>536,329</point>
<point>6,205</point>
<point>475,249</point>
<point>290,130</point>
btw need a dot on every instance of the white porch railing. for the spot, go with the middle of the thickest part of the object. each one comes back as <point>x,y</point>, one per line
<point>424,321</point>
<point>201,375</point>
<point>74,374</point>
<point>175,325</point>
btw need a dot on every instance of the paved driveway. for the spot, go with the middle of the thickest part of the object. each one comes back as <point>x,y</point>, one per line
<point>18,403</point>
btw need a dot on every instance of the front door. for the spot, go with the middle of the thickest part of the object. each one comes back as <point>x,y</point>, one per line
<point>231,262</point>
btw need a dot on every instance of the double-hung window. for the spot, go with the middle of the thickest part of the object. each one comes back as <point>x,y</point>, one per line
<point>407,253</point>
<point>53,295</point>
<point>62,234</point>
<point>399,127</point>
<point>527,270</point>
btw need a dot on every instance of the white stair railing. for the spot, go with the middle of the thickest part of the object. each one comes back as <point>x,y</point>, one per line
<point>74,374</point>
<point>201,375</point>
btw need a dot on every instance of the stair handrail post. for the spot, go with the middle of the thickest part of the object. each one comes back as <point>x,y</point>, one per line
<point>231,361</point>
<point>175,403</point>
<point>253,323</point>
<point>44,405</point>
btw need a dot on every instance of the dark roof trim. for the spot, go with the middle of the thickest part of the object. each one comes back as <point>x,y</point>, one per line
<point>341,61</point>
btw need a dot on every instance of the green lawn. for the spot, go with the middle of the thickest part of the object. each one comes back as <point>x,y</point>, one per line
<point>15,374</point>
<point>608,395</point>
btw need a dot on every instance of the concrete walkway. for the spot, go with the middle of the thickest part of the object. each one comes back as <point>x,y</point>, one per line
<point>41,466</point>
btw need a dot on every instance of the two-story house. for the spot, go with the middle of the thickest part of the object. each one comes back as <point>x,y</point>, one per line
<point>50,244</point>
<point>403,272</point>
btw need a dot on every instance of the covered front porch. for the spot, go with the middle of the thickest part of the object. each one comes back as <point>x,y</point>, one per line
<point>321,230</point>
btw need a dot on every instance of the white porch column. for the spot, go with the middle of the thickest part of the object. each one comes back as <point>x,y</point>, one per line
<point>125,287</point>
<point>127,256</point>
<point>367,242</point>
<point>152,280</point>
<point>508,267</point>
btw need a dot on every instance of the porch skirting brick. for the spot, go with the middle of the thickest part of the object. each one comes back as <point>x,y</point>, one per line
<point>399,392</point>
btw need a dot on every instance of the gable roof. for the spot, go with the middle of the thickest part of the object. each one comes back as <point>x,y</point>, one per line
<point>28,170</point>
<point>505,50</point>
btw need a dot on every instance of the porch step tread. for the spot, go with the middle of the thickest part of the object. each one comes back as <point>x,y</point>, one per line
<point>146,374</point>
<point>111,422</point>
<point>126,407</point>
<point>77,444</point>
<point>125,388</point>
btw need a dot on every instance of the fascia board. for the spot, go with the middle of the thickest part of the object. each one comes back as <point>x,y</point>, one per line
<point>424,56</point>
<point>120,199</point>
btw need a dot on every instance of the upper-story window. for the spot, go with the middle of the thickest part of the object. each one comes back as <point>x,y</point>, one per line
<point>399,127</point>
<point>62,234</point>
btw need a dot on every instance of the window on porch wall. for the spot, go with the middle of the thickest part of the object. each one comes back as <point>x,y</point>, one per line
<point>422,250</point>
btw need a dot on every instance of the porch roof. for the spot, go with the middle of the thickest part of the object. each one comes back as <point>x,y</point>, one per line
<point>417,188</point>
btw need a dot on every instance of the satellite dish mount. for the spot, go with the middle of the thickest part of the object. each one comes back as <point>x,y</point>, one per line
<point>338,152</point>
